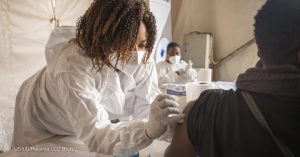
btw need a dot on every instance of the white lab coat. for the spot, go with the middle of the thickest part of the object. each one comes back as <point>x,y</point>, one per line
<point>69,97</point>
<point>167,72</point>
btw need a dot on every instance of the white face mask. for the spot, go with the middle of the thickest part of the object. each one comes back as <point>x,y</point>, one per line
<point>133,63</point>
<point>138,57</point>
<point>135,59</point>
<point>174,59</point>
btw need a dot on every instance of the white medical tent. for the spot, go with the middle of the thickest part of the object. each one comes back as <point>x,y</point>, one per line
<point>25,26</point>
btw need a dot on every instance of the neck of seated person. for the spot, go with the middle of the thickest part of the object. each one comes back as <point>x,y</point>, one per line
<point>294,59</point>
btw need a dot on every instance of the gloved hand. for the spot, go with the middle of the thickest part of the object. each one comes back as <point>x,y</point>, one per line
<point>164,111</point>
<point>190,74</point>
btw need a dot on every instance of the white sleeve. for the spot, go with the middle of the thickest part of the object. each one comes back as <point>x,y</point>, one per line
<point>165,76</point>
<point>183,64</point>
<point>89,119</point>
<point>146,90</point>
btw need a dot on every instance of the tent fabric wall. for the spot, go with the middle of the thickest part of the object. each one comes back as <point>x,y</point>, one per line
<point>189,16</point>
<point>25,27</point>
<point>230,22</point>
<point>161,10</point>
<point>232,27</point>
<point>24,30</point>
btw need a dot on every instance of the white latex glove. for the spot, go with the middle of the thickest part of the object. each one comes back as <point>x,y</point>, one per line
<point>169,133</point>
<point>164,111</point>
<point>190,74</point>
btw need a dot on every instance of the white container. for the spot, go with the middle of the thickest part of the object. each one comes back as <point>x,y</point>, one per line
<point>194,89</point>
<point>204,75</point>
<point>124,148</point>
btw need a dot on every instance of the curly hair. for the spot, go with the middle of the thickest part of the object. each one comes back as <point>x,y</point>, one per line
<point>111,26</point>
<point>277,30</point>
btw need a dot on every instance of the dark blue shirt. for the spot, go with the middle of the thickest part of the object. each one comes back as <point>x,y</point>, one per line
<point>220,124</point>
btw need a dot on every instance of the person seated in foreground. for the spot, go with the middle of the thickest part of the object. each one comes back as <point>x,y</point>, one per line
<point>223,123</point>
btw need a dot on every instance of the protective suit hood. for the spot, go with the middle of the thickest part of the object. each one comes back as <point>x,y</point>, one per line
<point>58,36</point>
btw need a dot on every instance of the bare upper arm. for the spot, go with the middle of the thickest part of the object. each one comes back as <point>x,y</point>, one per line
<point>181,144</point>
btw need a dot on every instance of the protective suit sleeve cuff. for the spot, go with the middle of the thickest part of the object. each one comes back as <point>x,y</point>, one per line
<point>167,136</point>
<point>147,134</point>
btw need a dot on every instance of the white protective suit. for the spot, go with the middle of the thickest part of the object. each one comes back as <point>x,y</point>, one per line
<point>179,72</point>
<point>68,97</point>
